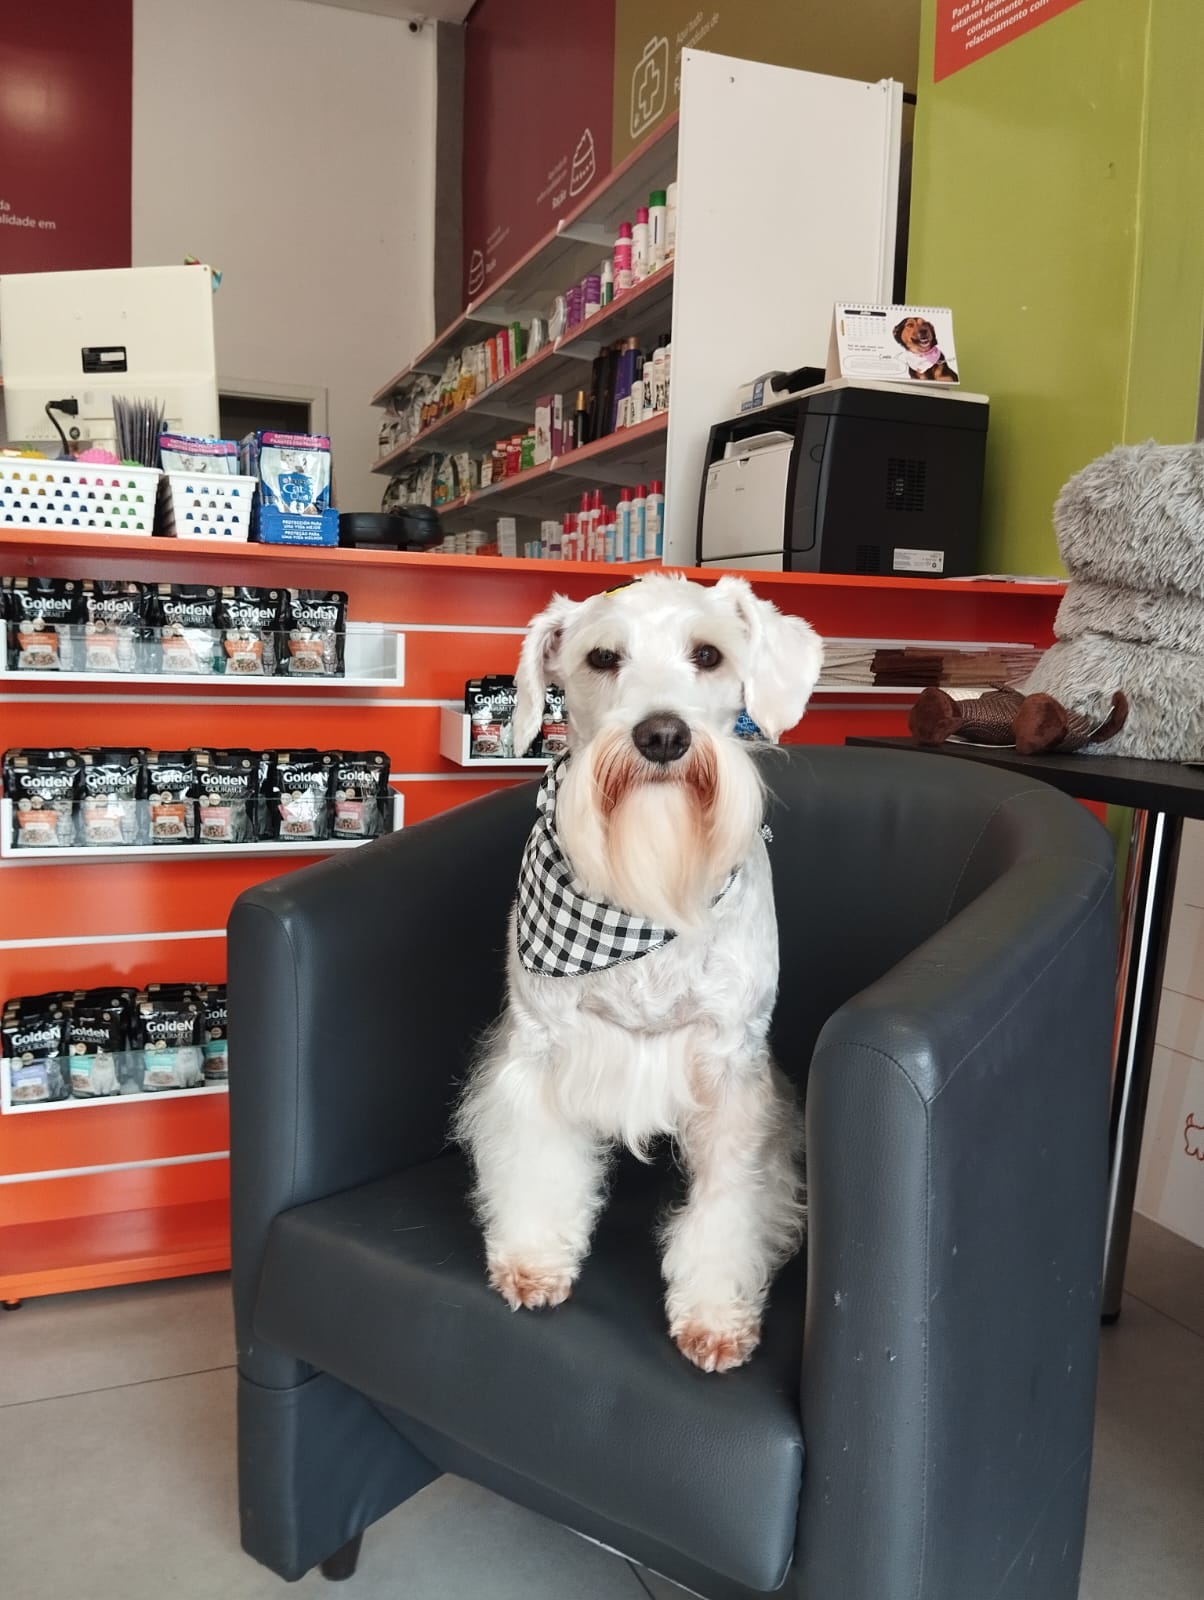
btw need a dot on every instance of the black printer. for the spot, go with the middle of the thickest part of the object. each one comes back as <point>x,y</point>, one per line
<point>851,476</point>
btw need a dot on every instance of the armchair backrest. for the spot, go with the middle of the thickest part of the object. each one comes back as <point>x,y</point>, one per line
<point>874,851</point>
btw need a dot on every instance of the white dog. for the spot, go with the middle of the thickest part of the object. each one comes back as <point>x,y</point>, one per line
<point>643,957</point>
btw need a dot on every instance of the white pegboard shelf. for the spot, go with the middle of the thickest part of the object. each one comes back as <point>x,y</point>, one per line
<point>374,657</point>
<point>95,854</point>
<point>95,1102</point>
<point>455,742</point>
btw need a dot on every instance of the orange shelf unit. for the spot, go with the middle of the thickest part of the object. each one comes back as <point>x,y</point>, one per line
<point>136,1192</point>
<point>120,1247</point>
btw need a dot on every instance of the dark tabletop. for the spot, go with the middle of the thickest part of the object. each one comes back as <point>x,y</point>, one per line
<point>1113,780</point>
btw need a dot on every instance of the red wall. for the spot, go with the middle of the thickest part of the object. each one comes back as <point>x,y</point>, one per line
<point>66,106</point>
<point>538,96</point>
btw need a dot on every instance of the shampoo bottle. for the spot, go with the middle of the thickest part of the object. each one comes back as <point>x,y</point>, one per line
<point>638,511</point>
<point>654,522</point>
<point>640,239</point>
<point>657,224</point>
<point>623,526</point>
<point>609,533</point>
<point>635,401</point>
<point>623,278</point>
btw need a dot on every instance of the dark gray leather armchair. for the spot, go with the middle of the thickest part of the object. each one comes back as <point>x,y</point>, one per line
<point>917,1424</point>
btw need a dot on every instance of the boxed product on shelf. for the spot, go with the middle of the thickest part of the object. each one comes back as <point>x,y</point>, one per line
<point>293,476</point>
<point>109,799</point>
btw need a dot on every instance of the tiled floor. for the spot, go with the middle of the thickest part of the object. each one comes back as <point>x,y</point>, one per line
<point>117,1449</point>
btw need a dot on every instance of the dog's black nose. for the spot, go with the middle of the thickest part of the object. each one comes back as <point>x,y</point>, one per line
<point>661,738</point>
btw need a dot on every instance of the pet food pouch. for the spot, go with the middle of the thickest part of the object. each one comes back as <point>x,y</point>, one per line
<point>215,1063</point>
<point>227,784</point>
<point>298,794</point>
<point>293,470</point>
<point>45,615</point>
<point>171,794</point>
<point>112,787</point>
<point>315,626</point>
<point>189,637</point>
<point>96,1040</point>
<point>33,1005</point>
<point>360,806</point>
<point>250,621</point>
<point>114,631</point>
<point>192,454</point>
<point>35,1047</point>
<point>553,728</point>
<point>44,787</point>
<point>490,705</point>
<point>170,1031</point>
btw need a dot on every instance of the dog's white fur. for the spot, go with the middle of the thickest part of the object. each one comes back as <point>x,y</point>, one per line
<point>674,1043</point>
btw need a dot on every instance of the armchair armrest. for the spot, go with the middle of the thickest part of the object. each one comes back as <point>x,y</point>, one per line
<point>357,987</point>
<point>957,1119</point>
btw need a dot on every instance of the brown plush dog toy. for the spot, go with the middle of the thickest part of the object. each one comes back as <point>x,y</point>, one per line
<point>1036,724</point>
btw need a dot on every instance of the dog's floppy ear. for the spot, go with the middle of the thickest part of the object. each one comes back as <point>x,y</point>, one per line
<point>785,655</point>
<point>537,668</point>
<point>897,330</point>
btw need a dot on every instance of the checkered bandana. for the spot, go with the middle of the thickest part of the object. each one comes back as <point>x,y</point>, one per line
<point>562,933</point>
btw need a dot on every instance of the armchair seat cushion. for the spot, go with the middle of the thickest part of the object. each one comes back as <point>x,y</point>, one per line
<point>383,1286</point>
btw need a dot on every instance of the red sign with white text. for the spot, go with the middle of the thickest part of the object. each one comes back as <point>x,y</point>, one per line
<point>66,109</point>
<point>538,109</point>
<point>967,30</point>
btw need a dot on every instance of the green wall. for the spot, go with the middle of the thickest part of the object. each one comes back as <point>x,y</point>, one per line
<point>1058,207</point>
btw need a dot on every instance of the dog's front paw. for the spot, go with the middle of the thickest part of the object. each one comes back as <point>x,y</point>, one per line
<point>717,1343</point>
<point>524,1284</point>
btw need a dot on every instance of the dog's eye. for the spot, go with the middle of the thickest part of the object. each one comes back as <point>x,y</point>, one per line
<point>706,657</point>
<point>603,660</point>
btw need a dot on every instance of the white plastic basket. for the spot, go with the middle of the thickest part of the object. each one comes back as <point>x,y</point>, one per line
<point>83,496</point>
<point>207,506</point>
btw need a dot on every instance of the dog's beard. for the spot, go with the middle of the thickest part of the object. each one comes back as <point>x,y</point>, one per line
<point>659,842</point>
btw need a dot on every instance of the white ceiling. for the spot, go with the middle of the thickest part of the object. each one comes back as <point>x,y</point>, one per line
<point>430,10</point>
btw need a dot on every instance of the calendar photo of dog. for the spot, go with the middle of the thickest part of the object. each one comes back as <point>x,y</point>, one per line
<point>926,362</point>
<point>642,958</point>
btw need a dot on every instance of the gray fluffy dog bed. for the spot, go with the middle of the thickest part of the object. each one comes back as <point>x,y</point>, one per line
<point>1130,528</point>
